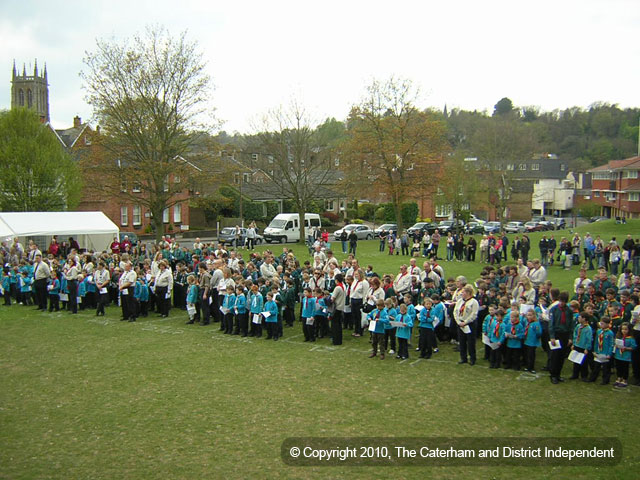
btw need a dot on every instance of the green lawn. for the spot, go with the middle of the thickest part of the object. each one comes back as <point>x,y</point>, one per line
<point>92,397</point>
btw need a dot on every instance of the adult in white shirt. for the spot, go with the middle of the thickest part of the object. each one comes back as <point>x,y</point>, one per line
<point>41,275</point>
<point>102,278</point>
<point>357,294</point>
<point>538,274</point>
<point>267,270</point>
<point>164,286</point>
<point>581,281</point>
<point>126,285</point>
<point>402,283</point>
<point>465,314</point>
<point>338,297</point>
<point>414,270</point>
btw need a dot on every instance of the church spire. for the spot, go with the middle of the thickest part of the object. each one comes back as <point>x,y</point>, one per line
<point>14,69</point>
<point>35,68</point>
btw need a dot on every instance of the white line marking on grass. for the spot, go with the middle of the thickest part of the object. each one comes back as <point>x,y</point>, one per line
<point>416,362</point>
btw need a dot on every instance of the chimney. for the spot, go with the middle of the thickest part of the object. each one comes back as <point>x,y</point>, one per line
<point>77,121</point>
<point>98,129</point>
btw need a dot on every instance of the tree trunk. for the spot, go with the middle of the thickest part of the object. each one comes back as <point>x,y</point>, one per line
<point>301,213</point>
<point>398,208</point>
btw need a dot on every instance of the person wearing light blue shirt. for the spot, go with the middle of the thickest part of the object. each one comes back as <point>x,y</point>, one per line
<point>381,317</point>
<point>403,332</point>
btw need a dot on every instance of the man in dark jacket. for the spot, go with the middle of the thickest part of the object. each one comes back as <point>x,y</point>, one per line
<point>561,324</point>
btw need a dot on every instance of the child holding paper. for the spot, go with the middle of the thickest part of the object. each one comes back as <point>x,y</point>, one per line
<point>54,292</point>
<point>389,331</point>
<point>532,335</point>
<point>403,332</point>
<point>496,337</point>
<point>192,298</point>
<point>582,343</point>
<point>624,345</point>
<point>381,318</point>
<point>256,304</point>
<point>228,304</point>
<point>514,333</point>
<point>427,332</point>
<point>240,310</point>
<point>308,315</point>
<point>271,308</point>
<point>485,329</point>
<point>602,352</point>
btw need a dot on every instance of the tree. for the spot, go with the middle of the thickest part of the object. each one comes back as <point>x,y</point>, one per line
<point>37,173</point>
<point>459,190</point>
<point>391,144</point>
<point>500,144</point>
<point>503,107</point>
<point>149,93</point>
<point>299,156</point>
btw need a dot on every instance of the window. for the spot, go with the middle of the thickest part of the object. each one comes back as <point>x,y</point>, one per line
<point>176,179</point>
<point>602,176</point>
<point>87,140</point>
<point>342,206</point>
<point>136,187</point>
<point>315,222</point>
<point>535,166</point>
<point>596,193</point>
<point>236,178</point>
<point>21,98</point>
<point>336,162</point>
<point>177,213</point>
<point>270,158</point>
<point>254,156</point>
<point>630,174</point>
<point>511,166</point>
<point>522,166</point>
<point>165,215</point>
<point>165,185</point>
<point>245,177</point>
<point>330,205</point>
<point>123,186</point>
<point>563,167</point>
<point>443,210</point>
<point>29,98</point>
<point>124,216</point>
<point>634,197</point>
<point>137,215</point>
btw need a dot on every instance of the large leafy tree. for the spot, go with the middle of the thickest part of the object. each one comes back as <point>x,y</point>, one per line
<point>392,145</point>
<point>150,95</point>
<point>37,173</point>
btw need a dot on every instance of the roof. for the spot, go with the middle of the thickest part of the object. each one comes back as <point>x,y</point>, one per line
<point>618,165</point>
<point>25,224</point>
<point>269,191</point>
<point>69,136</point>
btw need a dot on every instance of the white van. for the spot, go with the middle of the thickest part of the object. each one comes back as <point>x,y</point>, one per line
<point>285,227</point>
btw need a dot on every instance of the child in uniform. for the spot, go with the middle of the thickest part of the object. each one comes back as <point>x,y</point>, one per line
<point>514,333</point>
<point>381,317</point>
<point>603,346</point>
<point>625,344</point>
<point>496,335</point>
<point>532,336</point>
<point>228,304</point>
<point>240,309</point>
<point>54,292</point>
<point>404,332</point>
<point>256,303</point>
<point>427,332</point>
<point>192,298</point>
<point>272,320</point>
<point>308,315</point>
<point>582,343</point>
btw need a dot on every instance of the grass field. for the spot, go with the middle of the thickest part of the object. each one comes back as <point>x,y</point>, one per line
<point>92,397</point>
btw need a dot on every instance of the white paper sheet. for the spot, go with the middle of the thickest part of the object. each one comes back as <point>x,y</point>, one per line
<point>103,290</point>
<point>372,325</point>
<point>266,314</point>
<point>310,321</point>
<point>466,329</point>
<point>555,346</point>
<point>256,318</point>
<point>576,357</point>
<point>600,358</point>
<point>619,342</point>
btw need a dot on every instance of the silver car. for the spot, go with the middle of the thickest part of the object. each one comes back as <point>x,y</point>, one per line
<point>515,227</point>
<point>362,231</point>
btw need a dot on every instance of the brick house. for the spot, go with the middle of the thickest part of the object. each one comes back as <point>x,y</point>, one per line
<point>616,188</point>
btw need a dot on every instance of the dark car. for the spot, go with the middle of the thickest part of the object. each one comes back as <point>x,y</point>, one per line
<point>557,223</point>
<point>597,218</point>
<point>534,227</point>
<point>446,226</point>
<point>492,227</point>
<point>474,227</point>
<point>386,227</point>
<point>227,236</point>
<point>133,238</point>
<point>422,227</point>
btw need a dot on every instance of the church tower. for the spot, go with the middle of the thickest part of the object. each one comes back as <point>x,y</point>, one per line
<point>31,91</point>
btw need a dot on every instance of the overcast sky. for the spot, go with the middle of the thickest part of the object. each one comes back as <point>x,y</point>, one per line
<point>467,54</point>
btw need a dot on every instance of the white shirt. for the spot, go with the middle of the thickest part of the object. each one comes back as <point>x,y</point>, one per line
<point>470,312</point>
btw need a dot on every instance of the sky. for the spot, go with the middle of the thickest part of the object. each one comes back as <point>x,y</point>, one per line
<point>262,54</point>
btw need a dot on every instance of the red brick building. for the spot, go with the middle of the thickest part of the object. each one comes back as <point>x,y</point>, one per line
<point>82,142</point>
<point>616,188</point>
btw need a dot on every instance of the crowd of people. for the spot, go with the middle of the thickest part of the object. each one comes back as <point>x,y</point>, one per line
<point>514,310</point>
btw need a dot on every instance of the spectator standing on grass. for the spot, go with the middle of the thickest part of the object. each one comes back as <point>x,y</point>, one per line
<point>338,299</point>
<point>353,242</point>
<point>561,325</point>
<point>435,241</point>
<point>465,314</point>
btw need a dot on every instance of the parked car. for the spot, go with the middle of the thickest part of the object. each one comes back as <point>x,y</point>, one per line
<point>363,232</point>
<point>385,227</point>
<point>597,218</point>
<point>534,226</point>
<point>133,238</point>
<point>473,218</point>
<point>445,226</point>
<point>228,235</point>
<point>492,227</point>
<point>557,223</point>
<point>515,227</point>
<point>544,221</point>
<point>422,227</point>
<point>474,227</point>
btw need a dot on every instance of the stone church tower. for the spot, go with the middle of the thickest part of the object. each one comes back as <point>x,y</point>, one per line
<point>31,91</point>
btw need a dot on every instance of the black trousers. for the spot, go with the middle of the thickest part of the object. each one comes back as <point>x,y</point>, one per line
<point>309,331</point>
<point>321,325</point>
<point>559,354</point>
<point>467,343</point>
<point>530,356</point>
<point>495,357</point>
<point>356,313</point>
<point>595,371</point>
<point>635,355</point>
<point>427,342</point>
<point>103,299</point>
<point>581,369</point>
<point>163,302</point>
<point>40,287</point>
<point>203,309</point>
<point>72,287</point>
<point>54,302</point>
<point>403,347</point>
<point>622,369</point>
<point>336,327</point>
<point>513,358</point>
<point>390,338</point>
